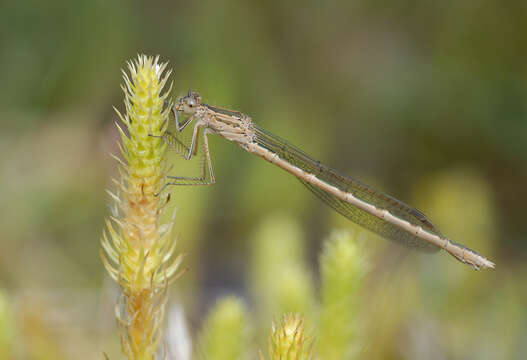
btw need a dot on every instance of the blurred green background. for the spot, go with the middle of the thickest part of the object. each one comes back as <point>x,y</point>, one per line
<point>425,100</point>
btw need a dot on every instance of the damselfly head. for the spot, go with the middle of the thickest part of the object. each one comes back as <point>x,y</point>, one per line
<point>189,103</point>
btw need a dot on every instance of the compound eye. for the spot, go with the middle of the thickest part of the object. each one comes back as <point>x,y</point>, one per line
<point>191,103</point>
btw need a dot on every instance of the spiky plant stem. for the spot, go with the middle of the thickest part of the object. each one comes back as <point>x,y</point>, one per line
<point>138,250</point>
<point>288,340</point>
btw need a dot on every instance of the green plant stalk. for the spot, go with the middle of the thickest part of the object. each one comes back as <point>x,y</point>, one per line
<point>138,250</point>
<point>224,334</point>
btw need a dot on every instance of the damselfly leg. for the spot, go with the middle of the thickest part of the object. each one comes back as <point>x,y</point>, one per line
<point>207,172</point>
<point>188,150</point>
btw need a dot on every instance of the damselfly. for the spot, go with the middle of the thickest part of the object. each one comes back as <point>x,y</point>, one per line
<point>378,212</point>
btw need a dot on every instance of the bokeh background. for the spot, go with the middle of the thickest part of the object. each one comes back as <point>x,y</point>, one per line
<point>425,100</point>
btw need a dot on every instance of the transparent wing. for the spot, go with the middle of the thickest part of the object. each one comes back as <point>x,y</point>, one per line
<point>365,193</point>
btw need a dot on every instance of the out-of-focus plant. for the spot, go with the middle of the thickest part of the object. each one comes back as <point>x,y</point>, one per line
<point>138,250</point>
<point>6,326</point>
<point>224,334</point>
<point>280,278</point>
<point>282,284</point>
<point>342,268</point>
